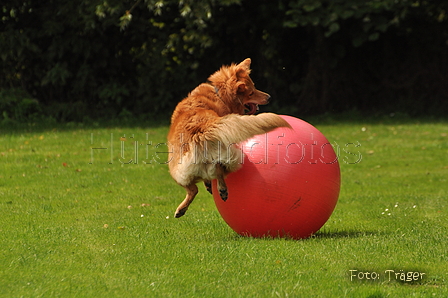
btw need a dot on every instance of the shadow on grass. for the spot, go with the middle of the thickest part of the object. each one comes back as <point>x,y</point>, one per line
<point>43,125</point>
<point>163,120</point>
<point>319,235</point>
<point>343,234</point>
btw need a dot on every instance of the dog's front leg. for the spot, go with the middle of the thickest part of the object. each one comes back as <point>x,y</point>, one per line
<point>222,187</point>
<point>192,191</point>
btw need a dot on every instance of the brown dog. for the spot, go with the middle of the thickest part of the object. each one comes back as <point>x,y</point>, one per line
<point>207,126</point>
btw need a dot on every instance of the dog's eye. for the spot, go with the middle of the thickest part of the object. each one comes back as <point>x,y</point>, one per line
<point>252,93</point>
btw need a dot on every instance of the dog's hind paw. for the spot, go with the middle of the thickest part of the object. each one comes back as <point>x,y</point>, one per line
<point>208,186</point>
<point>223,194</point>
<point>180,213</point>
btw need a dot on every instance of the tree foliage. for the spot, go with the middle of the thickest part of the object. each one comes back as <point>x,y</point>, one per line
<point>371,54</point>
<point>86,59</point>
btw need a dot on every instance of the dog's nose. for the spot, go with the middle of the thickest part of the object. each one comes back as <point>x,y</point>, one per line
<point>268,97</point>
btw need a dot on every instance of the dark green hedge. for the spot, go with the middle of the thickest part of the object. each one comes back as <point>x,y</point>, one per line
<point>76,60</point>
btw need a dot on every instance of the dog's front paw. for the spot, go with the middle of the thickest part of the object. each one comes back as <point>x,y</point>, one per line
<point>223,194</point>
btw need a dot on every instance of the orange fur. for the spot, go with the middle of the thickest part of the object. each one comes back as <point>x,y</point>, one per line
<point>208,124</point>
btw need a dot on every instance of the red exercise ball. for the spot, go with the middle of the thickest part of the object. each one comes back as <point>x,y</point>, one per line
<point>288,185</point>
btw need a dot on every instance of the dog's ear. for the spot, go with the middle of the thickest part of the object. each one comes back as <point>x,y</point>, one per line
<point>245,64</point>
<point>241,87</point>
<point>243,68</point>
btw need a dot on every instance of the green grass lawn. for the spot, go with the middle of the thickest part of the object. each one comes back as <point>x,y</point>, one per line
<point>83,222</point>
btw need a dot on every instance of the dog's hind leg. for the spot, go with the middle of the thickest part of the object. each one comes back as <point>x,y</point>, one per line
<point>208,186</point>
<point>192,191</point>
<point>222,187</point>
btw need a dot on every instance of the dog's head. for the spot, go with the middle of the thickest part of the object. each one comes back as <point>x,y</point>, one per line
<point>236,89</point>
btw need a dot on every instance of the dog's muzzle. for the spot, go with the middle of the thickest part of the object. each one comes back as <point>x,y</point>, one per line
<point>250,108</point>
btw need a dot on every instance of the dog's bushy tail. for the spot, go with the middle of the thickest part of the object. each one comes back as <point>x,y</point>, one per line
<point>235,128</point>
